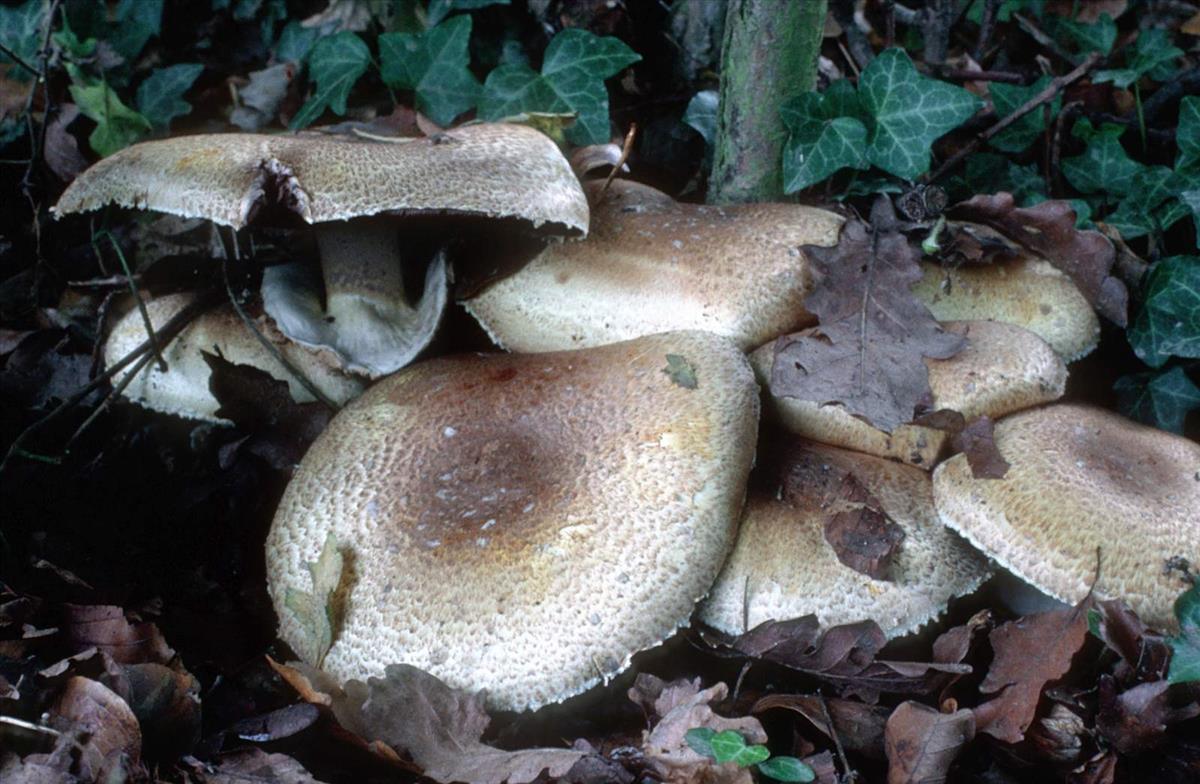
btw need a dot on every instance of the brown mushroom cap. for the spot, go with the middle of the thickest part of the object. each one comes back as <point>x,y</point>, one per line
<point>782,566</point>
<point>1003,368</point>
<point>651,264</point>
<point>1083,479</point>
<point>524,523</point>
<point>183,388</point>
<point>496,170</point>
<point>1029,292</point>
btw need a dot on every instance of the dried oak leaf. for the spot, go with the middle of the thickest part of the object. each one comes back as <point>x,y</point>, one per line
<point>1144,653</point>
<point>254,766</point>
<point>1029,653</point>
<point>977,442</point>
<point>440,727</point>
<point>106,628</point>
<point>861,534</point>
<point>1048,230</point>
<point>858,726</point>
<point>922,742</point>
<point>111,740</point>
<point>683,706</point>
<point>1137,719</point>
<point>868,351</point>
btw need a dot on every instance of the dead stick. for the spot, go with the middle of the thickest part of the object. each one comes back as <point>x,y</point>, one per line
<point>1047,94</point>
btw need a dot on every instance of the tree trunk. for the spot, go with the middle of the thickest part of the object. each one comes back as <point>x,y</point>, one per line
<point>769,55</point>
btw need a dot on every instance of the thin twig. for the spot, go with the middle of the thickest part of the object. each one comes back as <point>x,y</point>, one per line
<point>833,734</point>
<point>1039,35</point>
<point>137,295</point>
<point>626,149</point>
<point>963,75</point>
<point>860,52</point>
<point>11,55</point>
<point>270,347</point>
<point>987,26</point>
<point>1046,94</point>
<point>112,395</point>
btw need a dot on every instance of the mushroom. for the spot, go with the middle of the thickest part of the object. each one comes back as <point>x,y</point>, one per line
<point>1002,369</point>
<point>338,183</point>
<point>1026,291</point>
<point>183,388</point>
<point>782,566</point>
<point>523,523</point>
<point>1088,497</point>
<point>651,264</point>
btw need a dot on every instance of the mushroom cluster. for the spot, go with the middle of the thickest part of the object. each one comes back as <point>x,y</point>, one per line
<point>525,522</point>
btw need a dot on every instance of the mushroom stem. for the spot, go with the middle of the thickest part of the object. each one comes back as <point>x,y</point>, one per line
<point>360,263</point>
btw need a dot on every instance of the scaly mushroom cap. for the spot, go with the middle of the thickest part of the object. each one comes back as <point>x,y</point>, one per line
<point>652,264</point>
<point>783,567</point>
<point>519,523</point>
<point>183,389</point>
<point>1028,292</point>
<point>495,170</point>
<point>1083,479</point>
<point>1002,369</point>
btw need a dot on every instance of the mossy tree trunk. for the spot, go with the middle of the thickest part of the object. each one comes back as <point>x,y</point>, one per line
<point>769,55</point>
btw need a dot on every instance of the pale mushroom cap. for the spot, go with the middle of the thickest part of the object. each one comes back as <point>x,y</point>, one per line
<point>495,170</point>
<point>1003,368</point>
<point>1029,292</point>
<point>183,389</point>
<point>652,264</point>
<point>523,523</point>
<point>783,567</point>
<point>1080,479</point>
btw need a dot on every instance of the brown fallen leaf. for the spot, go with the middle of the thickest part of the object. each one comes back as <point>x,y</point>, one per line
<point>683,706</point>
<point>106,628</point>
<point>110,738</point>
<point>1048,229</point>
<point>166,703</point>
<point>860,532</point>
<point>440,728</point>
<point>824,768</point>
<point>1030,652</point>
<point>1060,736</point>
<point>977,442</point>
<point>1136,720</point>
<point>61,152</point>
<point>868,351</point>
<point>923,742</point>
<point>255,766</point>
<point>953,645</point>
<point>1144,653</point>
<point>1101,769</point>
<point>858,727</point>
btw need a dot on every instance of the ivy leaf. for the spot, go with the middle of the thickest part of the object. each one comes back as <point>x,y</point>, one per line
<point>135,22</point>
<point>1187,136</point>
<point>160,96</point>
<point>1099,36</point>
<point>1185,649</point>
<point>1169,321</point>
<point>21,32</point>
<point>701,114</point>
<point>1137,215</point>
<point>440,9</point>
<point>910,112</point>
<point>751,755</point>
<point>727,745</point>
<point>819,142</point>
<point>1161,400</point>
<point>295,42</point>
<point>1104,165</point>
<point>317,612</point>
<point>335,64</point>
<point>1007,98</point>
<point>1152,56</point>
<point>787,769</point>
<point>699,739</point>
<point>117,126</point>
<point>434,65</point>
<point>574,68</point>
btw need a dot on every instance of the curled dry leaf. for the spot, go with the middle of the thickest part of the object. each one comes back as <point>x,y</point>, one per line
<point>440,728</point>
<point>1136,720</point>
<point>923,742</point>
<point>860,532</point>
<point>869,349</point>
<point>1048,230</point>
<point>857,726</point>
<point>254,766</point>
<point>978,442</point>
<point>106,628</point>
<point>1144,654</point>
<point>109,735</point>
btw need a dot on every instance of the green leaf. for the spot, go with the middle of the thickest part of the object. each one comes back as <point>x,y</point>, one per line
<point>160,96</point>
<point>1152,56</point>
<point>1187,135</point>
<point>574,68</point>
<point>434,65</point>
<point>680,371</point>
<point>135,22</point>
<point>1169,321</point>
<point>726,745</point>
<point>787,769</point>
<point>72,45</point>
<point>819,143</point>
<point>1185,649</point>
<point>1137,215</point>
<point>751,755</point>
<point>910,113</point>
<point>295,42</point>
<point>1191,200</point>
<point>317,612</point>
<point>335,64</point>
<point>21,33</point>
<point>701,114</point>
<point>1104,165</point>
<point>117,126</point>
<point>699,739</point>
<point>1098,36</point>
<point>1007,98</point>
<point>1161,400</point>
<point>440,9</point>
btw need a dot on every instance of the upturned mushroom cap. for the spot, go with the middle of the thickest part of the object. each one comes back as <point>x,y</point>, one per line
<point>1028,292</point>
<point>652,264</point>
<point>1083,480</point>
<point>1002,369</point>
<point>524,523</point>
<point>495,170</point>
<point>782,566</point>
<point>183,388</point>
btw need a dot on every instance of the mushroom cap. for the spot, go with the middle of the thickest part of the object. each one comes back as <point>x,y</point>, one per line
<point>496,170</point>
<point>183,389</point>
<point>1082,479</point>
<point>1029,292</point>
<point>1003,368</point>
<point>524,523</point>
<point>782,566</point>
<point>651,264</point>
